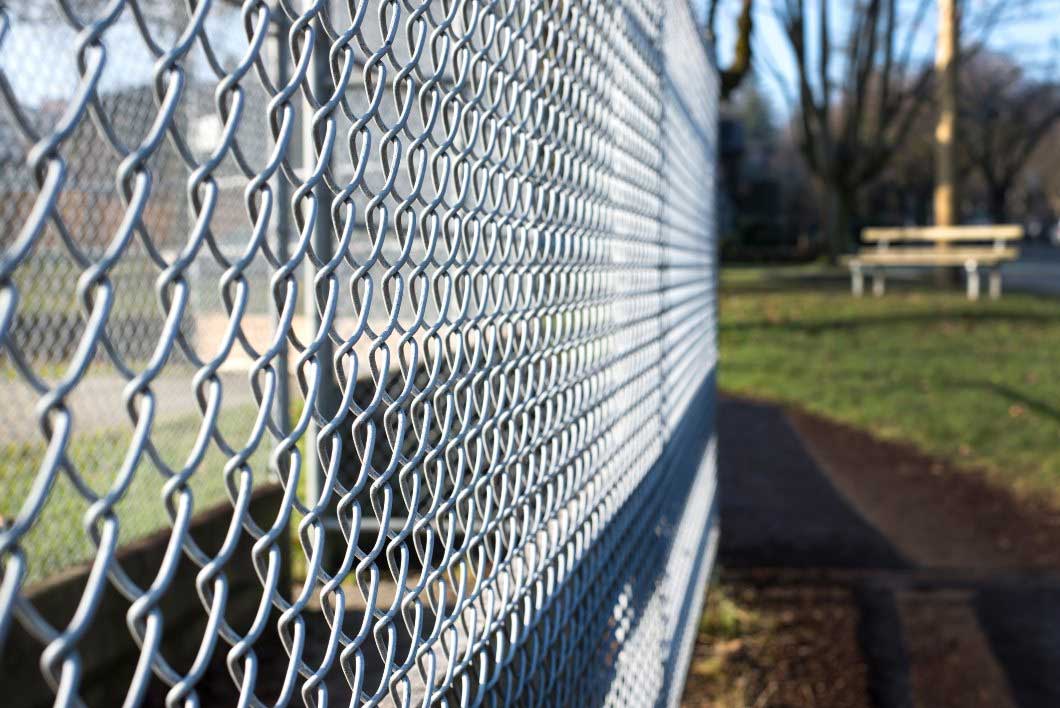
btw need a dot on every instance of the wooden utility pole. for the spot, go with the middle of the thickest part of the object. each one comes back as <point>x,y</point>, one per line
<point>946,128</point>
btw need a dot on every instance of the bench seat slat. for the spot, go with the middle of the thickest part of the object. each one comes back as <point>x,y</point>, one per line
<point>924,256</point>
<point>949,234</point>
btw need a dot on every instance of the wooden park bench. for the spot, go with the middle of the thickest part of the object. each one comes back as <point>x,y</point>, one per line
<point>974,247</point>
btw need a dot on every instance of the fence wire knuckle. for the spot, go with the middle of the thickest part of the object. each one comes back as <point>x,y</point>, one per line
<point>384,330</point>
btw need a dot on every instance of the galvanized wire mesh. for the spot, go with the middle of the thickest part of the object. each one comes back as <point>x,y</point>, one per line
<point>441,271</point>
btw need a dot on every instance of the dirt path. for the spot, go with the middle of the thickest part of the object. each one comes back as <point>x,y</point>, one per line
<point>936,515</point>
<point>955,583</point>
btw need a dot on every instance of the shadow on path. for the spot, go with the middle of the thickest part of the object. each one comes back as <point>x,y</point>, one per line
<point>1023,625</point>
<point>777,508</point>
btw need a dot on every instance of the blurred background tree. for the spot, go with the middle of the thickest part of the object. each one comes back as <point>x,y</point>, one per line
<point>839,109</point>
<point>1005,114</point>
<point>733,76</point>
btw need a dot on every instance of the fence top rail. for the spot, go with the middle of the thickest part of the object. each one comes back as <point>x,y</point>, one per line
<point>987,232</point>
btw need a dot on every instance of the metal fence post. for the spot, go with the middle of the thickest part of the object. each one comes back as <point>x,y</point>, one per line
<point>330,396</point>
<point>282,225</point>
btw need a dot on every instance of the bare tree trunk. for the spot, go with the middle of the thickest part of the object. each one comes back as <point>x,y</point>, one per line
<point>839,220</point>
<point>831,227</point>
<point>999,204</point>
<point>946,128</point>
<point>946,46</point>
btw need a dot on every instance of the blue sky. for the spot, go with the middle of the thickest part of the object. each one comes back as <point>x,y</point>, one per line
<point>1030,30</point>
<point>41,65</point>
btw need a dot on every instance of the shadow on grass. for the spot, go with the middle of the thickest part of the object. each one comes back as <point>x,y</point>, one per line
<point>1015,396</point>
<point>759,281</point>
<point>854,322</point>
<point>787,283</point>
<point>752,281</point>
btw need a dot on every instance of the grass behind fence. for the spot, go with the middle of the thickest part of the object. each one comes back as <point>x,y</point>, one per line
<point>59,540</point>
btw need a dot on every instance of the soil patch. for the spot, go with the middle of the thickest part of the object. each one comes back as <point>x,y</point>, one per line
<point>794,646</point>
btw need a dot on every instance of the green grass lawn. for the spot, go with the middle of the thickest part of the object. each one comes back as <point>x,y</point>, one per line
<point>58,539</point>
<point>974,382</point>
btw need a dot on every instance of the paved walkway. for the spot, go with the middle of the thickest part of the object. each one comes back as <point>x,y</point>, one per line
<point>98,406</point>
<point>1036,271</point>
<point>932,636</point>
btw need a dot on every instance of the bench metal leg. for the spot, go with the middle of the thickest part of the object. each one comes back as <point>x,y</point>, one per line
<point>857,281</point>
<point>878,282</point>
<point>995,282</point>
<point>971,268</point>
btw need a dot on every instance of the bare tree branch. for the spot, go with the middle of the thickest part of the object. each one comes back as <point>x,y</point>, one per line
<point>1005,116</point>
<point>849,129</point>
<point>732,77</point>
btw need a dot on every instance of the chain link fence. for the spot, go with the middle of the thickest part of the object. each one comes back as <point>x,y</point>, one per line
<point>440,274</point>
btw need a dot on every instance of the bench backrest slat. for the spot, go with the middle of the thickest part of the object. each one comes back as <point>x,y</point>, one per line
<point>1001,232</point>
